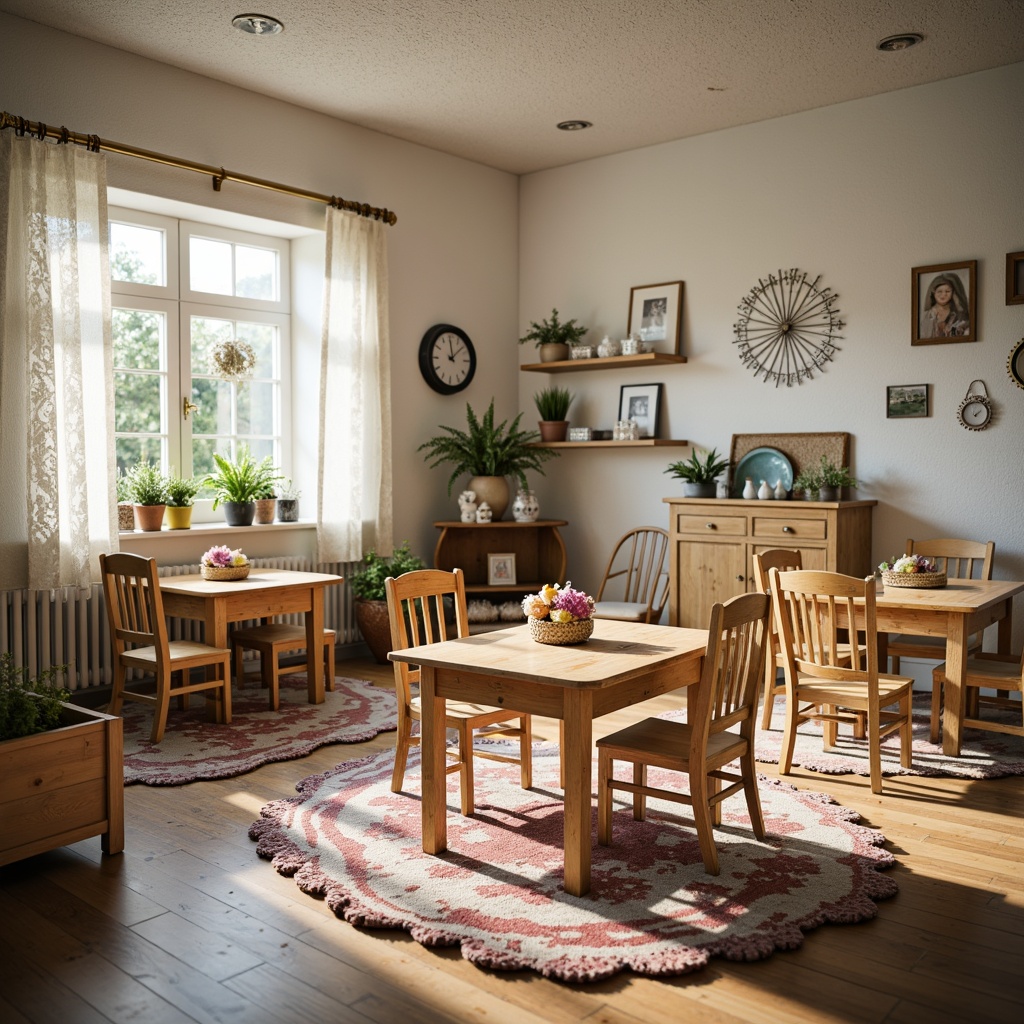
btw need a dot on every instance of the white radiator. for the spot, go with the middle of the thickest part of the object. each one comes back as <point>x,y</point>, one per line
<point>68,626</point>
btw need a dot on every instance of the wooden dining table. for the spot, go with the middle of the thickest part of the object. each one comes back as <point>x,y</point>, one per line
<point>262,594</point>
<point>623,663</point>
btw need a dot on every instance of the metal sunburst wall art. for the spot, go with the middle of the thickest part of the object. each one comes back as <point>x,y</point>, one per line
<point>788,327</point>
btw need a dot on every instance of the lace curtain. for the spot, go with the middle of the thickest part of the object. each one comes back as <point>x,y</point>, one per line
<point>56,383</point>
<point>354,511</point>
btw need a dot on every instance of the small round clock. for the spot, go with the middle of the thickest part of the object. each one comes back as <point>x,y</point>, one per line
<point>975,412</point>
<point>447,358</point>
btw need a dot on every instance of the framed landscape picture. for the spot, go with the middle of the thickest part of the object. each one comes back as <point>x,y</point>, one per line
<point>943,303</point>
<point>906,400</point>
<point>656,316</point>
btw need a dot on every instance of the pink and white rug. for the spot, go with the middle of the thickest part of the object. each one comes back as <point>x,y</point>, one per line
<point>193,749</point>
<point>497,891</point>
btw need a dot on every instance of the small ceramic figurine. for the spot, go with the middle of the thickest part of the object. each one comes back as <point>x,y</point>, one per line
<point>764,491</point>
<point>484,514</point>
<point>526,508</point>
<point>607,348</point>
<point>780,491</point>
<point>468,506</point>
<point>749,490</point>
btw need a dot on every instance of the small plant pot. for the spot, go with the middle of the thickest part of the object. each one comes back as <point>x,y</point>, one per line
<point>828,494</point>
<point>149,518</point>
<point>266,509</point>
<point>179,517</point>
<point>553,430</point>
<point>553,353</point>
<point>239,513</point>
<point>704,489</point>
<point>287,510</point>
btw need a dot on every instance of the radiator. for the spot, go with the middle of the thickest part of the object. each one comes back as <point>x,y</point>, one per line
<point>68,626</point>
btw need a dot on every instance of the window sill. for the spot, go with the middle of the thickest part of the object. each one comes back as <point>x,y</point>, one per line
<point>215,528</point>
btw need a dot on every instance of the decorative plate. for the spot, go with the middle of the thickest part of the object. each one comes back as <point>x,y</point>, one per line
<point>762,464</point>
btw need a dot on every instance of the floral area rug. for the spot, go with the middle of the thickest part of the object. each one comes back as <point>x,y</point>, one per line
<point>984,755</point>
<point>497,891</point>
<point>193,748</point>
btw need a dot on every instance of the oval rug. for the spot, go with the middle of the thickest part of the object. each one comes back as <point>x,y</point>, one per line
<point>497,890</point>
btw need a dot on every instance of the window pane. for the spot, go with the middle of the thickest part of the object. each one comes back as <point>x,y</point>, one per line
<point>259,448</point>
<point>255,273</point>
<point>137,405</point>
<point>138,338</point>
<point>208,332</point>
<point>214,398</point>
<point>256,407</point>
<point>137,254</point>
<point>202,459</point>
<point>263,338</point>
<point>210,266</point>
<point>130,450</point>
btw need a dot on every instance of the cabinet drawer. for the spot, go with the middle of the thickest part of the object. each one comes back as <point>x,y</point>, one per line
<point>712,525</point>
<point>790,529</point>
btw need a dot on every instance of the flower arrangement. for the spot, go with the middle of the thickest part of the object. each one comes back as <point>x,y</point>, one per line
<point>558,604</point>
<point>223,557</point>
<point>911,571</point>
<point>908,563</point>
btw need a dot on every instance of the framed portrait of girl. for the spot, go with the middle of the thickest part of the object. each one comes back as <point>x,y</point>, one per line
<point>944,303</point>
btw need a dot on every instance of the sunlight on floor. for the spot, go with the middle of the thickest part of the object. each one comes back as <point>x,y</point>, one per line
<point>246,801</point>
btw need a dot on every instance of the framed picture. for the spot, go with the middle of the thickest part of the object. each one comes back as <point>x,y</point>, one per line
<point>1014,278</point>
<point>656,315</point>
<point>501,570</point>
<point>906,400</point>
<point>640,402</point>
<point>943,304</point>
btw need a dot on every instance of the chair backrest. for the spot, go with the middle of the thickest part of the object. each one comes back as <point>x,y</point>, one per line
<point>416,610</point>
<point>135,606</point>
<point>774,558</point>
<point>636,570</point>
<point>733,667</point>
<point>960,559</point>
<point>811,608</point>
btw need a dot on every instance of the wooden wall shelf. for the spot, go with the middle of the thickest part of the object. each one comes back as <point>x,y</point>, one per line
<point>644,442</point>
<point>609,362</point>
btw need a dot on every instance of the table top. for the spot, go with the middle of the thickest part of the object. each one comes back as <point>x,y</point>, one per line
<point>616,651</point>
<point>258,579</point>
<point>958,596</point>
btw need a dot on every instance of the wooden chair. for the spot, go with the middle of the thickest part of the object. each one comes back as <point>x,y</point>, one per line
<point>999,672</point>
<point>417,614</point>
<point>272,639</point>
<point>139,633</point>
<point>636,573</point>
<point>726,696</point>
<point>961,559</point>
<point>807,608</point>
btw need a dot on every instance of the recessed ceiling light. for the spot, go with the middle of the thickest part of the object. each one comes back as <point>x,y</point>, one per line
<point>903,41</point>
<point>574,126</point>
<point>257,24</point>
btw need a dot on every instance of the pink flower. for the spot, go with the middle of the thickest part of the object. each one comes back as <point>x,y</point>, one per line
<point>558,604</point>
<point>222,556</point>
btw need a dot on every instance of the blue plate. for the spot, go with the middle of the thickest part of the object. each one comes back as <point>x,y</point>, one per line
<point>767,464</point>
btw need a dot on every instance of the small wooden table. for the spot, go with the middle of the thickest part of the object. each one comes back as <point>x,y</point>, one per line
<point>263,593</point>
<point>623,663</point>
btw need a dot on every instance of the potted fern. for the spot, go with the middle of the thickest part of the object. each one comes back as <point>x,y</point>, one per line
<point>237,484</point>
<point>371,606</point>
<point>147,489</point>
<point>833,479</point>
<point>699,473</point>
<point>553,405</point>
<point>489,454</point>
<point>553,337</point>
<point>181,494</point>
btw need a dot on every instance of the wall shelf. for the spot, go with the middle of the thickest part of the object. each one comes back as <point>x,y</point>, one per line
<point>609,362</point>
<point>644,442</point>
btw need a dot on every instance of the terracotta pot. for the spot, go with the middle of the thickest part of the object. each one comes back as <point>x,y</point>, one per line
<point>553,353</point>
<point>375,625</point>
<point>239,513</point>
<point>179,517</point>
<point>492,489</point>
<point>266,509</point>
<point>149,517</point>
<point>553,430</point>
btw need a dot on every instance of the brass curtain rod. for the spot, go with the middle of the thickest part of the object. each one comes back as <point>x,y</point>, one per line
<point>219,175</point>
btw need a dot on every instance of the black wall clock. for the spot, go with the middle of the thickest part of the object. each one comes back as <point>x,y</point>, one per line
<point>447,358</point>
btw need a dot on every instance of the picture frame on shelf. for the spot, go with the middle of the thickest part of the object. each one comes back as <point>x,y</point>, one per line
<point>943,304</point>
<point>641,402</point>
<point>501,569</point>
<point>1014,278</point>
<point>906,401</point>
<point>656,316</point>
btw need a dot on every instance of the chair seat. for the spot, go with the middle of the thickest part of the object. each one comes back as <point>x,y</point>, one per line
<point>484,714</point>
<point>179,652</point>
<point>625,611</point>
<point>667,744</point>
<point>1003,672</point>
<point>280,635</point>
<point>852,694</point>
<point>271,639</point>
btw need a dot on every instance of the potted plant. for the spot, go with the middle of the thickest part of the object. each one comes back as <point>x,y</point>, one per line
<point>288,502</point>
<point>147,489</point>
<point>371,605</point>
<point>125,511</point>
<point>553,338</point>
<point>808,481</point>
<point>238,484</point>
<point>181,494</point>
<point>833,479</point>
<point>489,454</point>
<point>266,505</point>
<point>698,474</point>
<point>62,776</point>
<point>553,405</point>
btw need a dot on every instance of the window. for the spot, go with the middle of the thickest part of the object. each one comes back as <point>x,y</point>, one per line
<point>179,290</point>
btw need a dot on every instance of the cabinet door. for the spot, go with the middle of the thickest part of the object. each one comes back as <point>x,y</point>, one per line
<point>706,572</point>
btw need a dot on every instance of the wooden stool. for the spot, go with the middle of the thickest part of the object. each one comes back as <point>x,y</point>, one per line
<point>271,640</point>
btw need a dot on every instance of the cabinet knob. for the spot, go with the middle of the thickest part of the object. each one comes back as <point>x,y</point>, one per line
<point>709,526</point>
<point>787,529</point>
<point>740,577</point>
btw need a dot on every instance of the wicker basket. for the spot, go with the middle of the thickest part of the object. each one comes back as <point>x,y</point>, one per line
<point>224,572</point>
<point>919,580</point>
<point>561,633</point>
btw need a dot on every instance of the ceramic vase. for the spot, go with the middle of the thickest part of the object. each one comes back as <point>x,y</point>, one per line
<point>780,491</point>
<point>749,490</point>
<point>494,491</point>
<point>764,492</point>
<point>526,508</point>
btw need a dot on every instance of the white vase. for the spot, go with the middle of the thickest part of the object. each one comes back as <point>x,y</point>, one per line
<point>764,492</point>
<point>780,491</point>
<point>525,508</point>
<point>749,490</point>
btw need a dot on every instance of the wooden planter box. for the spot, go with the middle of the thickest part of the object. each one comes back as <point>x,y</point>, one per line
<point>64,785</point>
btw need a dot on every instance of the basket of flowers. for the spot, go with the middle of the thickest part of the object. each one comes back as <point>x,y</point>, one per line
<point>224,563</point>
<point>559,615</point>
<point>911,571</point>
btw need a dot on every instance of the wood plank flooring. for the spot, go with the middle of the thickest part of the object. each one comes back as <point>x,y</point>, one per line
<point>190,925</point>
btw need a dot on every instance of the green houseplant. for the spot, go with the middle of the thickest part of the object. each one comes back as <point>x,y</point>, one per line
<point>553,406</point>
<point>553,337</point>
<point>698,474</point>
<point>832,479</point>
<point>371,606</point>
<point>147,489</point>
<point>237,484</point>
<point>181,495</point>
<point>808,481</point>
<point>489,454</point>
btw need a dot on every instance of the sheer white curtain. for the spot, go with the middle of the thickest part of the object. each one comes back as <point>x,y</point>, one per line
<point>56,384</point>
<point>354,512</point>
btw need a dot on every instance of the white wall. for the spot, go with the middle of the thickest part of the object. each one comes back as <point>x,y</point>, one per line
<point>452,255</point>
<point>860,193</point>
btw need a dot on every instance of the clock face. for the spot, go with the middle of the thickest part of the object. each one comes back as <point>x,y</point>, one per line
<point>447,358</point>
<point>975,414</point>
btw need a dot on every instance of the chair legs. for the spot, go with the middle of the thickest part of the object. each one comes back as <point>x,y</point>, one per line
<point>526,752</point>
<point>402,738</point>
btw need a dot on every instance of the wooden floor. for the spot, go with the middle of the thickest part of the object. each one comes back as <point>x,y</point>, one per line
<point>189,925</point>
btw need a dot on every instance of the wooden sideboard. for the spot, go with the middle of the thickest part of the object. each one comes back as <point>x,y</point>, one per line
<point>712,543</point>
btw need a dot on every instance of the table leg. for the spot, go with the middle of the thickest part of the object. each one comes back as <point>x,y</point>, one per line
<point>432,747</point>
<point>577,758</point>
<point>215,632</point>
<point>953,696</point>
<point>315,646</point>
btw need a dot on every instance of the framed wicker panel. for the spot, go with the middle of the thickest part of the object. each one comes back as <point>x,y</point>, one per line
<point>802,450</point>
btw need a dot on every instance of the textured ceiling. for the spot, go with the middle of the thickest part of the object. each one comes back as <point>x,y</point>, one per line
<point>489,79</point>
